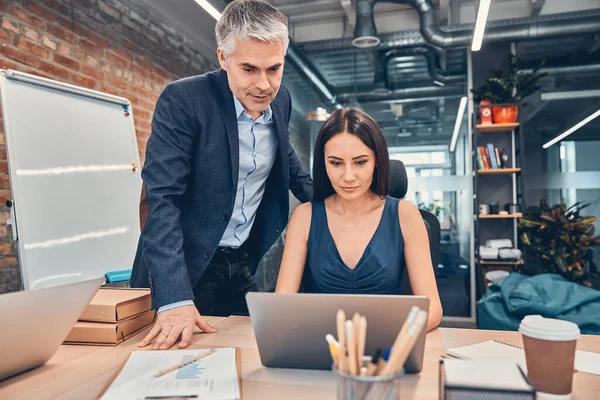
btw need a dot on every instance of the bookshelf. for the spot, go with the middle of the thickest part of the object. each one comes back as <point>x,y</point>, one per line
<point>498,171</point>
<point>487,128</point>
<point>497,179</point>
<point>498,216</point>
<point>487,262</point>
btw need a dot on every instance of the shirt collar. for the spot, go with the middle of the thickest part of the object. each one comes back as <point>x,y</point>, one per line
<point>239,110</point>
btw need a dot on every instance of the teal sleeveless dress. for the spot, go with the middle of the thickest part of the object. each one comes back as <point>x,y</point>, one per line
<point>379,270</point>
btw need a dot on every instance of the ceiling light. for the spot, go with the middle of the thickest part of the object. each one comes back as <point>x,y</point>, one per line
<point>458,122</point>
<point>572,129</point>
<point>364,42</point>
<point>320,114</point>
<point>381,91</point>
<point>397,109</point>
<point>439,83</point>
<point>209,8</point>
<point>482,15</point>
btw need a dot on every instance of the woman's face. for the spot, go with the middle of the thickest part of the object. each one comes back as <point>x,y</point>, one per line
<point>349,164</point>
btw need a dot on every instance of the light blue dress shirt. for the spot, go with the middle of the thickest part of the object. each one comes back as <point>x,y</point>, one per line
<point>258,148</point>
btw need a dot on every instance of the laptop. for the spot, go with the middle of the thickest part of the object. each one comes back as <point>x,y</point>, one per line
<point>290,329</point>
<point>35,323</point>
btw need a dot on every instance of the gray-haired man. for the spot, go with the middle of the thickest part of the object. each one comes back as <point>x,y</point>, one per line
<point>218,168</point>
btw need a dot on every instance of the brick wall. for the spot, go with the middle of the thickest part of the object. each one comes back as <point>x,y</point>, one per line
<point>110,45</point>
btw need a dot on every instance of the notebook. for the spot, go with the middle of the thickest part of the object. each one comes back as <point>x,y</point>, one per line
<point>494,350</point>
<point>485,375</point>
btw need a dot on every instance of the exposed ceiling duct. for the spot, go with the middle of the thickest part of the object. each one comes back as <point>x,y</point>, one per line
<point>381,83</point>
<point>365,32</point>
<point>527,29</point>
<point>438,76</point>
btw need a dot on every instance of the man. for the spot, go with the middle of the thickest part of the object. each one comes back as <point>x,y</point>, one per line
<point>218,168</point>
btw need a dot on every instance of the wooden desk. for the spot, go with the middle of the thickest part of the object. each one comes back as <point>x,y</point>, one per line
<point>80,372</point>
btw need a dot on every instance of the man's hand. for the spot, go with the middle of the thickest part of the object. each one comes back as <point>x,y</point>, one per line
<point>174,323</point>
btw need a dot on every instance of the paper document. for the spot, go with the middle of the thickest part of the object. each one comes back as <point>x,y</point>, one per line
<point>586,361</point>
<point>493,350</point>
<point>211,378</point>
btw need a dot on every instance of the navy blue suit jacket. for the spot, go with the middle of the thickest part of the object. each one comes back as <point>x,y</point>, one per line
<point>190,177</point>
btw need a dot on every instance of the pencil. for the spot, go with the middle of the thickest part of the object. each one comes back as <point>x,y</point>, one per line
<point>341,320</point>
<point>361,339</point>
<point>351,339</point>
<point>372,366</point>
<point>184,363</point>
<point>400,354</point>
<point>355,319</point>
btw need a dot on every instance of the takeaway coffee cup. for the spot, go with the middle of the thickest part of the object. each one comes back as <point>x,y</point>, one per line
<point>550,353</point>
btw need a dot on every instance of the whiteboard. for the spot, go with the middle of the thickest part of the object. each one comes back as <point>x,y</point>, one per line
<point>72,157</point>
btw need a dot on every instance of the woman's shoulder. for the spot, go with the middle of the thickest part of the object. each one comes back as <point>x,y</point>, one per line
<point>303,210</point>
<point>408,210</point>
<point>300,221</point>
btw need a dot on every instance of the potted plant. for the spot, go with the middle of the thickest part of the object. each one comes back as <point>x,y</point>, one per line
<point>508,85</point>
<point>560,240</point>
<point>443,213</point>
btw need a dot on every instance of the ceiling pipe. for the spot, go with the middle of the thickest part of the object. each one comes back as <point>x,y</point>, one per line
<point>527,29</point>
<point>425,92</point>
<point>308,71</point>
<point>567,69</point>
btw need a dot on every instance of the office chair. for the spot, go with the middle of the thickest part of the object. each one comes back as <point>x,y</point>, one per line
<point>398,189</point>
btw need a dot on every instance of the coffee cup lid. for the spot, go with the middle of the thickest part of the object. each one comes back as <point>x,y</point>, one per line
<point>538,327</point>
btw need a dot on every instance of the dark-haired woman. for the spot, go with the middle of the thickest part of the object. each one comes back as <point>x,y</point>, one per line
<point>353,237</point>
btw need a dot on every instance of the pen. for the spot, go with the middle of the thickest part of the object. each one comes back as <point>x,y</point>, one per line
<point>184,363</point>
<point>333,349</point>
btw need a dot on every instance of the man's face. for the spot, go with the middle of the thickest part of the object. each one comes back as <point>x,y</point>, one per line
<point>254,71</point>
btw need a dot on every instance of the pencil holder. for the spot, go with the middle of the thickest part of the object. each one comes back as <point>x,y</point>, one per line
<point>354,387</point>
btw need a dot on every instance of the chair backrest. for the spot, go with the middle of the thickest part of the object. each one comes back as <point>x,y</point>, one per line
<point>398,189</point>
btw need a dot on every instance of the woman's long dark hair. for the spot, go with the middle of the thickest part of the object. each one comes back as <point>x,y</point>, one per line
<point>360,124</point>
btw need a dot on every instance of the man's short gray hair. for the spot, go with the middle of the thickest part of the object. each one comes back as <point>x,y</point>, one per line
<point>251,19</point>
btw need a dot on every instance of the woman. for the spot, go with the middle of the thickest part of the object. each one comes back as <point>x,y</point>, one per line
<point>353,237</point>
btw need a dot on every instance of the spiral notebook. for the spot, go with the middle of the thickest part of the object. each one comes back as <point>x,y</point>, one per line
<point>492,350</point>
<point>495,350</point>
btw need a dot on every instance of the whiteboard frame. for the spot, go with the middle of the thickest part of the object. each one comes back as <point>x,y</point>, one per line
<point>55,85</point>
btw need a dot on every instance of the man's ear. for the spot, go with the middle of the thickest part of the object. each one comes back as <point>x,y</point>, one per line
<point>222,60</point>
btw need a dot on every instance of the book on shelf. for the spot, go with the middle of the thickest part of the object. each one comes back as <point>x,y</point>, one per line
<point>491,157</point>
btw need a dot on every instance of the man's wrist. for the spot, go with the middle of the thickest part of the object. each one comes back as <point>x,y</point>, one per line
<point>175,305</point>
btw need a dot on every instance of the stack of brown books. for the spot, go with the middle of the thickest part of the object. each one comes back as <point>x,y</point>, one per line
<point>113,316</point>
